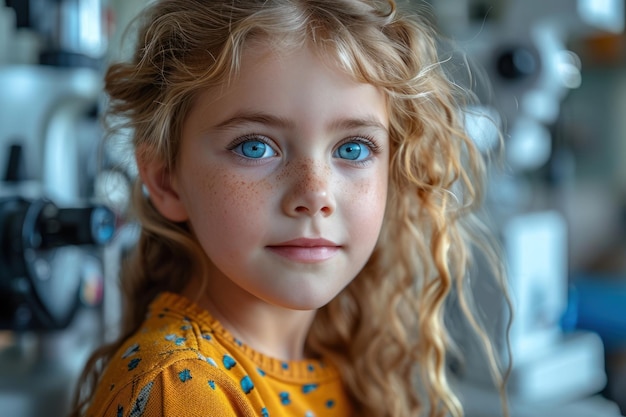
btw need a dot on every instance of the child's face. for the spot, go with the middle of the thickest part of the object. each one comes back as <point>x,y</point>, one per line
<point>283,178</point>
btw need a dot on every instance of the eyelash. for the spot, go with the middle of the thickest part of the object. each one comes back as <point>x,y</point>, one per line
<point>367,140</point>
<point>245,138</point>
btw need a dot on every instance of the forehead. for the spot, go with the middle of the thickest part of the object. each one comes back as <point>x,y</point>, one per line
<point>298,87</point>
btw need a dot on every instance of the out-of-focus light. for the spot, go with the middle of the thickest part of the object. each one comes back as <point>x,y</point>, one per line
<point>482,125</point>
<point>604,14</point>
<point>568,66</point>
<point>529,145</point>
<point>90,27</point>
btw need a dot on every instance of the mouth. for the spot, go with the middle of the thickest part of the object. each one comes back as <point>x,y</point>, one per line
<point>304,250</point>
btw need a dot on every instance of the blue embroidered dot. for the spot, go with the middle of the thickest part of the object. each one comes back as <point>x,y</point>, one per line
<point>133,363</point>
<point>130,351</point>
<point>212,384</point>
<point>184,375</point>
<point>180,341</point>
<point>309,414</point>
<point>212,362</point>
<point>246,384</point>
<point>228,362</point>
<point>264,412</point>
<point>170,337</point>
<point>206,336</point>
<point>311,368</point>
<point>330,403</point>
<point>238,342</point>
<point>260,371</point>
<point>120,411</point>
<point>284,398</point>
<point>307,388</point>
<point>284,365</point>
<point>185,327</point>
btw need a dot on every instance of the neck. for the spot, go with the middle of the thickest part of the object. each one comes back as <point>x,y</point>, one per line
<point>274,331</point>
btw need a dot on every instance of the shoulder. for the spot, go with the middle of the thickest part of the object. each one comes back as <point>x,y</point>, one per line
<point>184,386</point>
<point>171,363</point>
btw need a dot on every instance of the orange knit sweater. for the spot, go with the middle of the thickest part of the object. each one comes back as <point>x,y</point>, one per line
<point>182,362</point>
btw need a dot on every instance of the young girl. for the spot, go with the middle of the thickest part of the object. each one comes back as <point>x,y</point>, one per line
<point>306,194</point>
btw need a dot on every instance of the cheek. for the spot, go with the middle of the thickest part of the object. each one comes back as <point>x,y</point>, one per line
<point>365,203</point>
<point>230,206</point>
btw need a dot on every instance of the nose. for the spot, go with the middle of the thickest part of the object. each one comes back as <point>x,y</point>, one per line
<point>310,190</point>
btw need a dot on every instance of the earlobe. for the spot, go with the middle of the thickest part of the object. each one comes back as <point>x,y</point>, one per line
<point>163,195</point>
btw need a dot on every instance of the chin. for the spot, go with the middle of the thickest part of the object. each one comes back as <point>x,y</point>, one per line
<point>306,302</point>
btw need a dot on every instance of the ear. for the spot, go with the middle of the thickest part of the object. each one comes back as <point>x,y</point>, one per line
<point>163,195</point>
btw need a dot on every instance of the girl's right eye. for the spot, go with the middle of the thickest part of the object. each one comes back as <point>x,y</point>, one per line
<point>253,148</point>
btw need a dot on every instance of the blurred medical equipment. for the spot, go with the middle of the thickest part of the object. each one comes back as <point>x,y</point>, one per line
<point>522,50</point>
<point>53,231</point>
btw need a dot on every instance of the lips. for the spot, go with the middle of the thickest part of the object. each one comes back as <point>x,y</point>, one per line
<point>306,250</point>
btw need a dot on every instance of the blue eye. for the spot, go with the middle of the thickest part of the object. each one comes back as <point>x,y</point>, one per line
<point>353,151</point>
<point>254,149</point>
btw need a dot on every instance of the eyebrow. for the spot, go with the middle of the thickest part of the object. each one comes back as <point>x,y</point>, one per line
<point>349,123</point>
<point>242,118</point>
<point>255,117</point>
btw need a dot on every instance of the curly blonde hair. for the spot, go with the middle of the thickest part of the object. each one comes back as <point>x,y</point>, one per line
<point>386,330</point>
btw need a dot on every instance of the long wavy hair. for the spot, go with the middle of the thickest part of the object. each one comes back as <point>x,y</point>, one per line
<point>385,331</point>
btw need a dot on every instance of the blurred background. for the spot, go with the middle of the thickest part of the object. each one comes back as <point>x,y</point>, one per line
<point>551,74</point>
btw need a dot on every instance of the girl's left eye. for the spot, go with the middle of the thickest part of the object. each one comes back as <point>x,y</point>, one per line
<point>254,149</point>
<point>353,151</point>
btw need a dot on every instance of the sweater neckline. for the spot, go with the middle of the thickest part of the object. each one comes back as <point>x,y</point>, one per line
<point>288,370</point>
